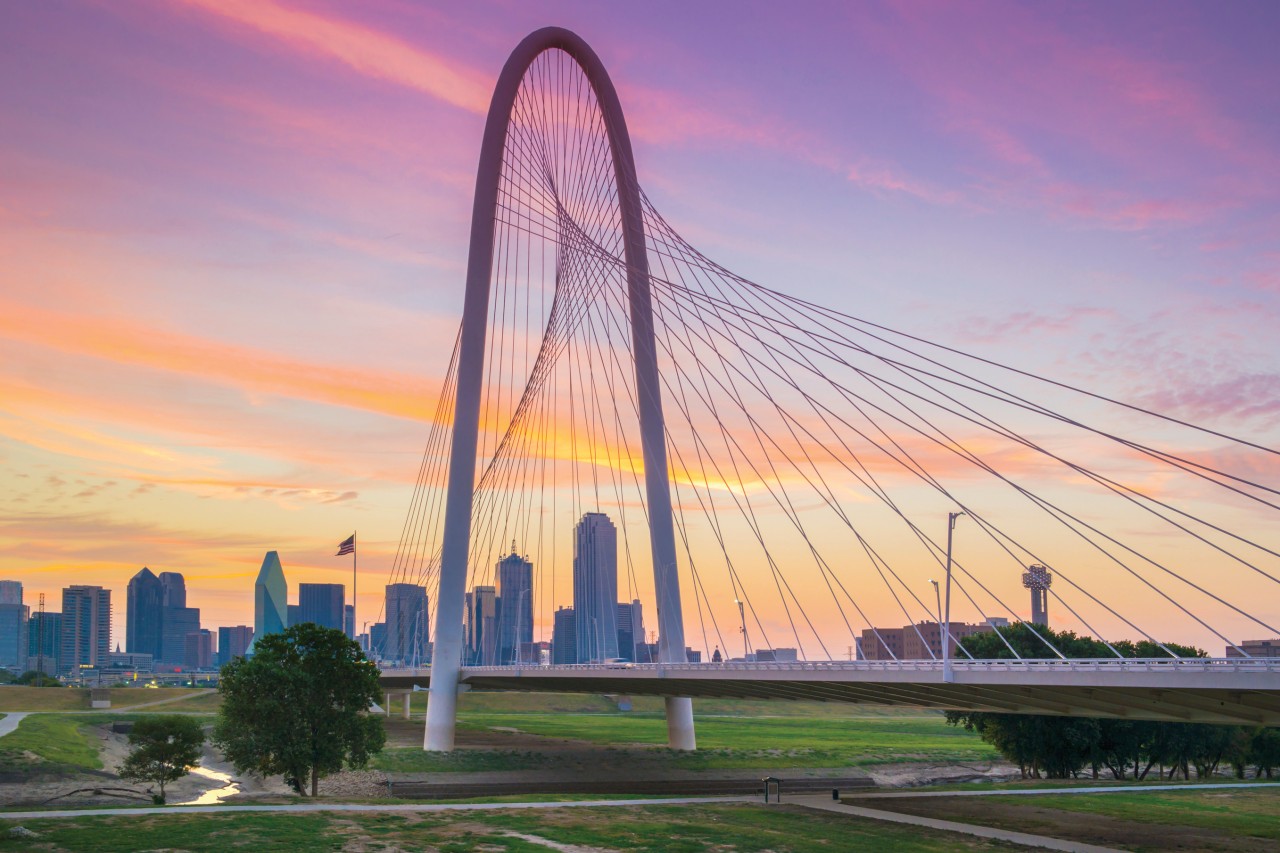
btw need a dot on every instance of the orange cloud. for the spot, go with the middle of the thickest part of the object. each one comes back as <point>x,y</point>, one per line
<point>247,368</point>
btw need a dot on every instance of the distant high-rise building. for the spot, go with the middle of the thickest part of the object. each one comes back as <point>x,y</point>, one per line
<point>86,628</point>
<point>515,605</point>
<point>480,626</point>
<point>144,614</point>
<point>199,650</point>
<point>175,624</point>
<point>322,604</point>
<point>595,588</point>
<point>174,589</point>
<point>293,615</point>
<point>377,640</point>
<point>13,626</point>
<point>44,642</point>
<point>407,627</point>
<point>564,642</point>
<point>1256,649</point>
<point>270,598</point>
<point>630,629</point>
<point>10,592</point>
<point>233,642</point>
<point>1038,579</point>
<point>349,620</point>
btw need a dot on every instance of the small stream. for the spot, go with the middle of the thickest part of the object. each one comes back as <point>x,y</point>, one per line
<point>214,795</point>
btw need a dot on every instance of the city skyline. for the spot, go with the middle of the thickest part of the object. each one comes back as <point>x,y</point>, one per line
<point>1109,222</point>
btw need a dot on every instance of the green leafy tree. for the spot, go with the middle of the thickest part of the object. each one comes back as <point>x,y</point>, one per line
<point>299,707</point>
<point>164,747</point>
<point>35,678</point>
<point>1062,746</point>
<point>1264,751</point>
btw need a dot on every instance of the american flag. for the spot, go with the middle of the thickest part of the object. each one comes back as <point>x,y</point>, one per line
<point>347,546</point>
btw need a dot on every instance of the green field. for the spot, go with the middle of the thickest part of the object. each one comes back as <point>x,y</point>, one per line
<point>16,698</point>
<point>1250,812</point>
<point>49,742</point>
<point>723,741</point>
<point>671,829</point>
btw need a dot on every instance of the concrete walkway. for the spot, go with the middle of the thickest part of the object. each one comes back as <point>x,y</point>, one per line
<point>296,808</point>
<point>1031,792</point>
<point>1025,839</point>
<point>11,720</point>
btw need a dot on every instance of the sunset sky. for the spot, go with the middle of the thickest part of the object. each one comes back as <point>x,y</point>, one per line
<point>233,234</point>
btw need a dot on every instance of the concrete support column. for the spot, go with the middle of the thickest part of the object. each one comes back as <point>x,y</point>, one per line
<point>680,734</point>
<point>408,697</point>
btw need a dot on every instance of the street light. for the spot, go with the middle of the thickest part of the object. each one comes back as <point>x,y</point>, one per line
<point>937,594</point>
<point>947,674</point>
<point>746,648</point>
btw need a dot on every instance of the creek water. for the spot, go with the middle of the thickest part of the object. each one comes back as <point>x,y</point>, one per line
<point>213,796</point>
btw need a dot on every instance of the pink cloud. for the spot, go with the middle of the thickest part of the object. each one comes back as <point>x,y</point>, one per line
<point>364,50</point>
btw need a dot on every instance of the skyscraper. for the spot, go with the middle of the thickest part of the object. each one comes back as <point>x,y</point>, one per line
<point>349,620</point>
<point>270,598</point>
<point>13,626</point>
<point>10,592</point>
<point>44,642</point>
<point>480,619</point>
<point>564,643</point>
<point>515,605</point>
<point>174,588</point>
<point>407,627</point>
<point>233,642</point>
<point>86,628</point>
<point>322,604</point>
<point>175,624</point>
<point>144,602</point>
<point>198,650</point>
<point>595,588</point>
<point>630,629</point>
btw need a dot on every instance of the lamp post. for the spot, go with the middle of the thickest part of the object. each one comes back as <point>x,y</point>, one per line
<point>937,595</point>
<point>947,674</point>
<point>742,615</point>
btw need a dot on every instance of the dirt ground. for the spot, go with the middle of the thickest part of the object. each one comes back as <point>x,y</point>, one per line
<point>1068,825</point>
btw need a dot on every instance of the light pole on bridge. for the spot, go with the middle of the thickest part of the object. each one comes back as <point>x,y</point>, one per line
<point>742,615</point>
<point>947,674</point>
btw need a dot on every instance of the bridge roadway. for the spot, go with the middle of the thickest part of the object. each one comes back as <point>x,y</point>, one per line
<point>1225,690</point>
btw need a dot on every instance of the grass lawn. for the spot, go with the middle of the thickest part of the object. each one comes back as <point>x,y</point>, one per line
<point>1251,812</point>
<point>723,742</point>
<point>673,829</point>
<point>20,698</point>
<point>59,742</point>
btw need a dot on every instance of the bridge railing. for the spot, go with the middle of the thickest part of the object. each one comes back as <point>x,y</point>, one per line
<point>1197,665</point>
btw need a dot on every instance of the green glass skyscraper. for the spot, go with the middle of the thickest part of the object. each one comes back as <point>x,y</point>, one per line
<point>270,598</point>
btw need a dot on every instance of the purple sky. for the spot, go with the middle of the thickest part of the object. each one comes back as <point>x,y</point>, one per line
<point>232,232</point>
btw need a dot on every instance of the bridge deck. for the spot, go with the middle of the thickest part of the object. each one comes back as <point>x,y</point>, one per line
<point>1242,691</point>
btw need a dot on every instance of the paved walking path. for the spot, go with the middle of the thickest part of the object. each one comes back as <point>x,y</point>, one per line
<point>1031,792</point>
<point>10,721</point>
<point>1026,839</point>
<point>364,807</point>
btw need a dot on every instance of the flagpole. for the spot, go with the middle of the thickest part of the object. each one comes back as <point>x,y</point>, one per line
<point>354,623</point>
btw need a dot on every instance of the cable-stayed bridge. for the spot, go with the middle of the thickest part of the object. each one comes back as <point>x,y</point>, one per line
<point>782,474</point>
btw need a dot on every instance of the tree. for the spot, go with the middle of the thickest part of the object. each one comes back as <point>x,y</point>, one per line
<point>299,706</point>
<point>35,678</point>
<point>1061,746</point>
<point>164,746</point>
